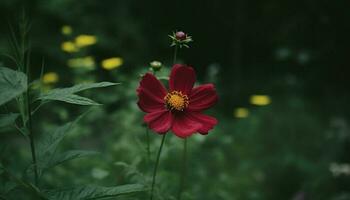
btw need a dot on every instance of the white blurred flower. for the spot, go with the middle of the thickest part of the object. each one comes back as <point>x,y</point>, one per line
<point>338,169</point>
<point>99,173</point>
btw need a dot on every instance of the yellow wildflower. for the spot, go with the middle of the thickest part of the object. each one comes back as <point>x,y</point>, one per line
<point>241,112</point>
<point>66,30</point>
<point>50,77</point>
<point>260,100</point>
<point>112,63</point>
<point>87,62</point>
<point>85,40</point>
<point>69,47</point>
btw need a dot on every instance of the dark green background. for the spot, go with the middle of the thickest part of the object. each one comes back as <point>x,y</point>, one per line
<point>294,51</point>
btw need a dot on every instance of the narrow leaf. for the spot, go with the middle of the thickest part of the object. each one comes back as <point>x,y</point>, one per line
<point>71,98</point>
<point>50,141</point>
<point>81,87</point>
<point>93,192</point>
<point>12,84</point>
<point>23,184</point>
<point>68,94</point>
<point>64,157</point>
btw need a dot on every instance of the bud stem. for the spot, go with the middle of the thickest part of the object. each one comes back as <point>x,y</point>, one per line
<point>175,54</point>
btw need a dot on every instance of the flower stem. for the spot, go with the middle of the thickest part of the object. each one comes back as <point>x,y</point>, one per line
<point>175,54</point>
<point>184,169</point>
<point>156,166</point>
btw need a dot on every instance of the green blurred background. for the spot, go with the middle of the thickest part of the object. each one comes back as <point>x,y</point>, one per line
<point>282,74</point>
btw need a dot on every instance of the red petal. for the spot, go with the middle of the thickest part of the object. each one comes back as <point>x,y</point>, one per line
<point>148,102</point>
<point>159,121</point>
<point>207,122</point>
<point>184,125</point>
<point>182,78</point>
<point>151,94</point>
<point>202,97</point>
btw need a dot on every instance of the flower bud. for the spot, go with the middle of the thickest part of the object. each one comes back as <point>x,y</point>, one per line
<point>156,65</point>
<point>180,35</point>
<point>180,39</point>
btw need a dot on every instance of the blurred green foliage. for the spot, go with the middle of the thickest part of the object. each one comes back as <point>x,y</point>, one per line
<point>296,147</point>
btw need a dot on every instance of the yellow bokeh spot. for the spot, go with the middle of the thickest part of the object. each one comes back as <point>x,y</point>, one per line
<point>85,40</point>
<point>241,112</point>
<point>87,62</point>
<point>260,100</point>
<point>112,63</point>
<point>66,30</point>
<point>69,47</point>
<point>50,77</point>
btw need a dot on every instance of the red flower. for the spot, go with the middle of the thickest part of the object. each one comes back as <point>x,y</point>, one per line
<point>180,108</point>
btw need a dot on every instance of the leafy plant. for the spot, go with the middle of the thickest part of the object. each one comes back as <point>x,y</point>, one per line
<point>15,86</point>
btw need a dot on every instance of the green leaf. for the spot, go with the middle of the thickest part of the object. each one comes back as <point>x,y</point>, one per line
<point>85,86</point>
<point>73,99</point>
<point>23,184</point>
<point>12,84</point>
<point>49,142</point>
<point>47,146</point>
<point>68,94</point>
<point>8,119</point>
<point>58,159</point>
<point>93,192</point>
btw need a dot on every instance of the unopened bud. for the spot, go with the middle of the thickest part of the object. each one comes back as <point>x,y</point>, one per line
<point>180,35</point>
<point>156,65</point>
<point>180,38</point>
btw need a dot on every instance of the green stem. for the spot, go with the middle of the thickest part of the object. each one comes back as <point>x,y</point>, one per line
<point>184,170</point>
<point>31,138</point>
<point>175,54</point>
<point>156,166</point>
<point>28,124</point>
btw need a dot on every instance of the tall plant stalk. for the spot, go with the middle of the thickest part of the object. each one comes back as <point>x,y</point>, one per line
<point>161,144</point>
<point>22,60</point>
<point>26,56</point>
<point>31,138</point>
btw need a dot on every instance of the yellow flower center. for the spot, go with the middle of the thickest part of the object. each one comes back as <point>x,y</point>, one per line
<point>176,101</point>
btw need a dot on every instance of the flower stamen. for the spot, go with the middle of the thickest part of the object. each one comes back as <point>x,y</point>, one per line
<point>177,101</point>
